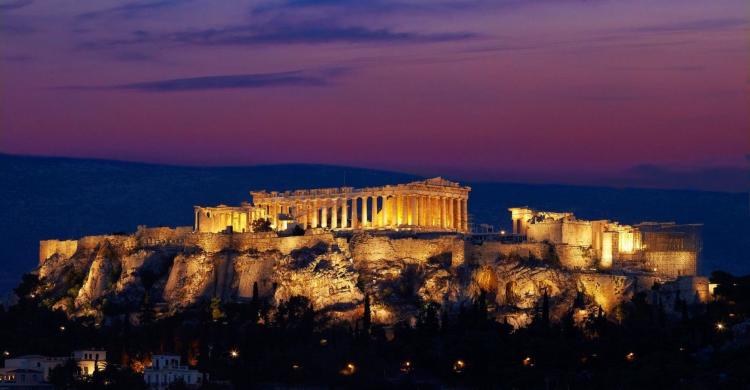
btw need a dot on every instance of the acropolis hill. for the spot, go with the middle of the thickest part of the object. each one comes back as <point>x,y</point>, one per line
<point>404,245</point>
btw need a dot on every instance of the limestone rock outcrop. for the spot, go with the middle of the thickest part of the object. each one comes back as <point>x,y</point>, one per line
<point>172,270</point>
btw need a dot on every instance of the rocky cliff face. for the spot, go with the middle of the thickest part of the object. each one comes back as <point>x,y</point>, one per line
<point>123,274</point>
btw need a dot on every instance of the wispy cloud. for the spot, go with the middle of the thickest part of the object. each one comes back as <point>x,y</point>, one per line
<point>14,4</point>
<point>17,58</point>
<point>669,68</point>
<point>308,33</point>
<point>691,26</point>
<point>130,10</point>
<point>302,78</point>
<point>278,33</point>
<point>15,25</point>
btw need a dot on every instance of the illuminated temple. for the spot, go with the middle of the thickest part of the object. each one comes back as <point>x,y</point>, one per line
<point>429,205</point>
<point>439,205</point>
<point>661,247</point>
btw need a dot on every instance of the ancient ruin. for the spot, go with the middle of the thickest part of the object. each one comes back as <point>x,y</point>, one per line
<point>427,205</point>
<point>663,248</point>
<point>403,244</point>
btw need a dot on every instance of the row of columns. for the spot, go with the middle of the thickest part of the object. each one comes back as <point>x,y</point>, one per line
<point>376,211</point>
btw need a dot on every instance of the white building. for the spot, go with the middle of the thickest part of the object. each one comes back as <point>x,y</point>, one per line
<point>89,361</point>
<point>22,378</point>
<point>39,363</point>
<point>166,369</point>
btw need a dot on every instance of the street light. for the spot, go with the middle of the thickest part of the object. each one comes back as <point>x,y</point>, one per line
<point>406,367</point>
<point>349,369</point>
<point>234,354</point>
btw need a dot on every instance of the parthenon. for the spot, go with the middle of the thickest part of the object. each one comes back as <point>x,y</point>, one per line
<point>428,205</point>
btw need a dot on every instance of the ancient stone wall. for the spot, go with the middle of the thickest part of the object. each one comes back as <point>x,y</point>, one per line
<point>65,248</point>
<point>489,251</point>
<point>367,248</point>
<point>575,257</point>
<point>672,263</point>
<point>608,291</point>
<point>545,231</point>
<point>162,235</point>
<point>577,233</point>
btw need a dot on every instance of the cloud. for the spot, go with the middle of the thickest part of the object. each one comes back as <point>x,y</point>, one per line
<point>708,178</point>
<point>14,4</point>
<point>130,10</point>
<point>17,58</point>
<point>16,26</point>
<point>308,33</point>
<point>691,26</point>
<point>609,98</point>
<point>277,33</point>
<point>668,68</point>
<point>306,78</point>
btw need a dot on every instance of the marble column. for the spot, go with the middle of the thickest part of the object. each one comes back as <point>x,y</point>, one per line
<point>459,216</point>
<point>355,217</point>
<point>365,221</point>
<point>335,214</point>
<point>405,210</point>
<point>344,214</point>
<point>315,212</point>
<point>386,211</point>
<point>441,204</point>
<point>456,214</point>
<point>374,209</point>
<point>324,215</point>
<point>465,212</point>
<point>413,211</point>
<point>449,214</point>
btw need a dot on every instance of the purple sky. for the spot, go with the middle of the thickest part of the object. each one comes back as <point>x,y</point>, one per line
<point>510,89</point>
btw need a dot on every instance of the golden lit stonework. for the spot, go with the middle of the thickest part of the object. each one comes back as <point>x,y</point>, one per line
<point>429,205</point>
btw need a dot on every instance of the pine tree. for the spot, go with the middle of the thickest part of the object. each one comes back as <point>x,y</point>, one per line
<point>545,309</point>
<point>367,317</point>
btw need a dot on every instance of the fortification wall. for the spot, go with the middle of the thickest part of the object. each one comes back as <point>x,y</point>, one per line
<point>694,287</point>
<point>65,248</point>
<point>608,291</point>
<point>123,242</point>
<point>365,247</point>
<point>577,233</point>
<point>575,257</point>
<point>672,263</point>
<point>488,252</point>
<point>162,235</point>
<point>546,231</point>
<point>261,242</point>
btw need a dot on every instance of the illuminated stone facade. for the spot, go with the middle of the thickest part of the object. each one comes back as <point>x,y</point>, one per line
<point>664,248</point>
<point>362,241</point>
<point>431,205</point>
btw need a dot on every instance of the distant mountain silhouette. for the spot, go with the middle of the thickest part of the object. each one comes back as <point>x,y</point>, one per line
<point>67,198</point>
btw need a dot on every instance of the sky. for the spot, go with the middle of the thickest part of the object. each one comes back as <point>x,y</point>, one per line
<point>535,90</point>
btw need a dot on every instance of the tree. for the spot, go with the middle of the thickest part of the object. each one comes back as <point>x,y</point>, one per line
<point>428,318</point>
<point>216,312</point>
<point>298,230</point>
<point>367,316</point>
<point>296,314</point>
<point>64,376</point>
<point>261,225</point>
<point>545,309</point>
